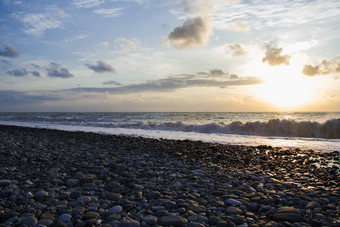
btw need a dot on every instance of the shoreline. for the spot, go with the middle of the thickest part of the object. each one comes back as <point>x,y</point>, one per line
<point>80,178</point>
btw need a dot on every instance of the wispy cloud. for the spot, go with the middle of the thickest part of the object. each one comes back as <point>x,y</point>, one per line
<point>275,13</point>
<point>11,98</point>
<point>126,44</point>
<point>111,82</point>
<point>239,26</point>
<point>214,78</point>
<point>274,57</point>
<point>9,51</point>
<point>37,23</point>
<point>326,67</point>
<point>101,67</point>
<point>114,12</point>
<point>87,3</point>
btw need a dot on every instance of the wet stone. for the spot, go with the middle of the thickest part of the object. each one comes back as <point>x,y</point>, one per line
<point>150,220</point>
<point>172,221</point>
<point>289,217</point>
<point>29,221</point>
<point>233,210</point>
<point>129,223</point>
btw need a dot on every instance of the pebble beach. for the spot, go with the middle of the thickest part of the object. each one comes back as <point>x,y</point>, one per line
<point>58,178</point>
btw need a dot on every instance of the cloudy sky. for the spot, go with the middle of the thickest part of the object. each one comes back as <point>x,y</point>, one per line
<point>179,55</point>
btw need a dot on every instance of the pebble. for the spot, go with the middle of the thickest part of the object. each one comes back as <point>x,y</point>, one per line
<point>29,221</point>
<point>116,209</point>
<point>172,221</point>
<point>85,179</point>
<point>233,210</point>
<point>233,202</point>
<point>150,220</point>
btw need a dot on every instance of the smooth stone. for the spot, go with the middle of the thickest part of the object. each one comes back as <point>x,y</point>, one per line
<point>72,182</point>
<point>172,220</point>
<point>213,220</point>
<point>150,220</point>
<point>84,199</point>
<point>29,221</point>
<point>195,224</point>
<point>290,217</point>
<point>116,209</point>
<point>113,196</point>
<point>222,224</point>
<point>91,215</point>
<point>65,217</point>
<point>234,202</point>
<point>41,194</point>
<point>46,222</point>
<point>288,210</point>
<point>312,205</point>
<point>233,210</point>
<point>129,223</point>
<point>5,183</point>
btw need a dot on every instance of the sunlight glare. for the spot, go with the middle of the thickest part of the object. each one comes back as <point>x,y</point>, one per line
<point>286,88</point>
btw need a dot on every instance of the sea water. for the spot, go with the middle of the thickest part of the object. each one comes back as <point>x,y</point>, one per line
<point>310,130</point>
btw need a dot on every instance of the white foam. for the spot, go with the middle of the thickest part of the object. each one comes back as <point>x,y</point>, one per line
<point>250,140</point>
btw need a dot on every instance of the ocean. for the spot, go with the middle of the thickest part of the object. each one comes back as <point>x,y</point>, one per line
<point>309,130</point>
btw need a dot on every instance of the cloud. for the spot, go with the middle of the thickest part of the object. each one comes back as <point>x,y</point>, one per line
<point>35,73</point>
<point>18,72</point>
<point>125,44</point>
<point>36,24</point>
<point>273,56</point>
<point>239,26</point>
<point>87,3</point>
<point>56,70</point>
<point>214,78</point>
<point>114,12</point>
<point>111,82</point>
<point>104,43</point>
<point>101,67</point>
<point>9,51</point>
<point>194,32</point>
<point>11,98</point>
<point>235,49</point>
<point>324,68</point>
<point>22,72</point>
<point>198,6</point>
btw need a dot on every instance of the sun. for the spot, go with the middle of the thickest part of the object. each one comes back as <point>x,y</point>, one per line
<point>286,88</point>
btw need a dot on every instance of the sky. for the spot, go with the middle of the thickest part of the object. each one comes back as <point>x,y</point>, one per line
<point>179,55</point>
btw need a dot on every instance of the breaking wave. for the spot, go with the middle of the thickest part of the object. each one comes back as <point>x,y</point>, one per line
<point>274,127</point>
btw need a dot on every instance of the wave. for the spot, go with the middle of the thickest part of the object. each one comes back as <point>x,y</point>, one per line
<point>274,127</point>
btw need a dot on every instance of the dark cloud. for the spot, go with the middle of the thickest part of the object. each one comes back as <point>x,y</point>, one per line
<point>111,82</point>
<point>22,72</point>
<point>178,82</point>
<point>324,68</point>
<point>9,51</point>
<point>217,72</point>
<point>273,56</point>
<point>56,70</point>
<point>13,98</point>
<point>194,32</point>
<point>35,73</point>
<point>101,67</point>
<point>18,72</point>
<point>235,49</point>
